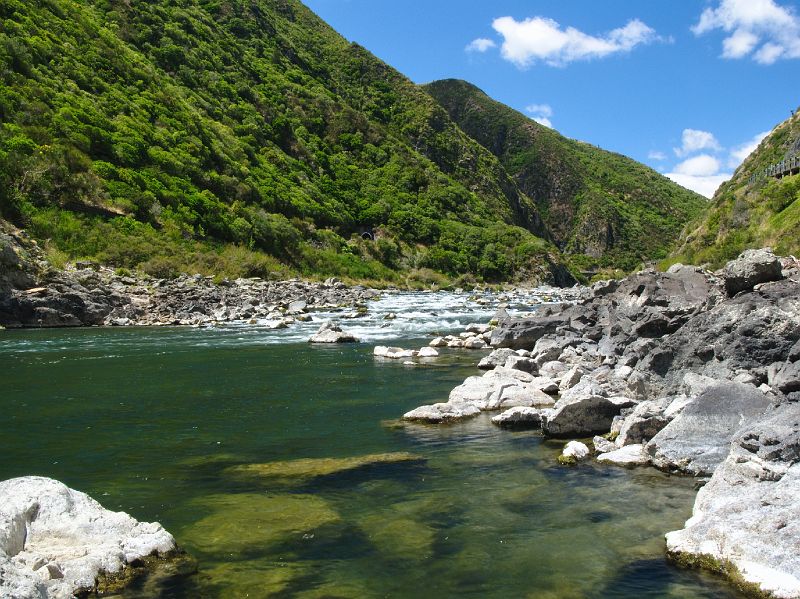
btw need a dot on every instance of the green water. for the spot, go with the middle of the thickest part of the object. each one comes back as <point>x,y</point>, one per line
<point>155,421</point>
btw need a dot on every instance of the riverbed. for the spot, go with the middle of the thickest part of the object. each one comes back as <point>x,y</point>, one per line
<point>162,422</point>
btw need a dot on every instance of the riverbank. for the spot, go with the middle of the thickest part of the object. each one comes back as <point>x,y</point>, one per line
<point>692,372</point>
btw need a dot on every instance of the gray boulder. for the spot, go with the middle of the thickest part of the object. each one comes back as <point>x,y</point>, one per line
<point>697,440</point>
<point>583,416</point>
<point>442,412</point>
<point>498,357</point>
<point>519,417</point>
<point>644,422</point>
<point>523,333</point>
<point>55,541</point>
<point>751,268</point>
<point>746,520</point>
<point>630,455</point>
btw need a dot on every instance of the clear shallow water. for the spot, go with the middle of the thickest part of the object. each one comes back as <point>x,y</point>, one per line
<point>156,421</point>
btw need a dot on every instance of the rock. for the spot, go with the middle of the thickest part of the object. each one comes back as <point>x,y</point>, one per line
<point>523,333</point>
<point>479,329</point>
<point>297,307</point>
<point>519,363</point>
<point>498,357</point>
<point>442,412</point>
<point>305,469</point>
<point>630,455</point>
<point>553,369</point>
<point>697,440</point>
<point>475,343</point>
<point>438,342</point>
<point>546,385</point>
<point>746,520</point>
<point>332,333</point>
<point>427,352</point>
<point>573,452</point>
<point>519,417</point>
<point>394,353</point>
<point>571,378</point>
<point>751,268</point>
<point>644,422</point>
<point>582,416</point>
<point>603,445</point>
<point>56,542</point>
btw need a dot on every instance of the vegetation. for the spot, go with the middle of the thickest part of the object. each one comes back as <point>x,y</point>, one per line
<point>602,209</point>
<point>744,214</point>
<point>246,137</point>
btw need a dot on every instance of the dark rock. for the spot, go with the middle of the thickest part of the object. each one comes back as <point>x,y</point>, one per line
<point>523,333</point>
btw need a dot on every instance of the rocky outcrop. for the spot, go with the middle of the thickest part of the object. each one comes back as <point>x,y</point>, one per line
<point>583,416</point>
<point>746,520</point>
<point>56,542</point>
<point>697,440</point>
<point>750,269</point>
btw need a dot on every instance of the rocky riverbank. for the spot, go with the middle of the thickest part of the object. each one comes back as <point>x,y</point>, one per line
<point>57,542</point>
<point>33,294</point>
<point>689,371</point>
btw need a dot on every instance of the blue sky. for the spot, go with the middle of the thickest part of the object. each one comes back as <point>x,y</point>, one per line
<point>685,86</point>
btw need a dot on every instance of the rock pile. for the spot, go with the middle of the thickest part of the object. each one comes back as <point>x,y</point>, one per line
<point>690,371</point>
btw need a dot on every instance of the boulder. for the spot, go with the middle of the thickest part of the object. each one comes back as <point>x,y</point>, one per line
<point>630,455</point>
<point>697,440</point>
<point>574,451</point>
<point>332,333</point>
<point>438,342</point>
<point>519,417</point>
<point>475,343</point>
<point>427,352</point>
<point>751,268</point>
<point>56,542</point>
<point>523,333</point>
<point>644,422</point>
<point>746,520</point>
<point>521,363</point>
<point>393,353</point>
<point>498,357</point>
<point>442,412</point>
<point>583,416</point>
<point>603,445</point>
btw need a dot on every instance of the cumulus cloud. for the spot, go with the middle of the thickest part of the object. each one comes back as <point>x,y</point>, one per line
<point>699,166</point>
<point>705,186</point>
<point>694,140</point>
<point>481,45</point>
<point>742,151</point>
<point>541,39</point>
<point>541,113</point>
<point>762,29</point>
<point>656,155</point>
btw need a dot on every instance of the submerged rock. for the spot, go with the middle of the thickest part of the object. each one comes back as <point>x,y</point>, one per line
<point>746,520</point>
<point>56,542</point>
<point>310,468</point>
<point>241,523</point>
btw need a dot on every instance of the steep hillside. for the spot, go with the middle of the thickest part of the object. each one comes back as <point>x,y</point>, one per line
<point>224,135</point>
<point>603,208</point>
<point>753,209</point>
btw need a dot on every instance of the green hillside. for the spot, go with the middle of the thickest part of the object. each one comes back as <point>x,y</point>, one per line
<point>749,214</point>
<point>156,134</point>
<point>602,208</point>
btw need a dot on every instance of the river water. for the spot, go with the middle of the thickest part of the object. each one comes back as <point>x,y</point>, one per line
<point>201,429</point>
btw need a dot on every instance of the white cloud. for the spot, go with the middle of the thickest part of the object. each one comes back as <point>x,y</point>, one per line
<point>542,39</point>
<point>742,151</point>
<point>656,155</point>
<point>699,166</point>
<point>543,110</point>
<point>481,44</point>
<point>543,120</point>
<point>705,186</point>
<point>694,140</point>
<point>753,23</point>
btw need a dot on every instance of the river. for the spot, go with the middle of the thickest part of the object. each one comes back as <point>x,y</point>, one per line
<point>164,423</point>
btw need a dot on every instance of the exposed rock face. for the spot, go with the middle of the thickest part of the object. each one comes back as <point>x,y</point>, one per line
<point>748,515</point>
<point>750,269</point>
<point>698,439</point>
<point>55,541</point>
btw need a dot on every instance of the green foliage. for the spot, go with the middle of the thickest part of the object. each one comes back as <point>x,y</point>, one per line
<point>593,202</point>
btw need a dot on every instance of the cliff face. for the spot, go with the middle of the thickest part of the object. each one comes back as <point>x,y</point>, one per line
<point>594,202</point>
<point>753,209</point>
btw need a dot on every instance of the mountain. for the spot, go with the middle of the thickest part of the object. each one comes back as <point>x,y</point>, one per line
<point>752,209</point>
<point>248,138</point>
<point>601,207</point>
